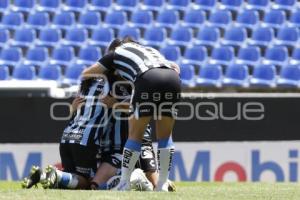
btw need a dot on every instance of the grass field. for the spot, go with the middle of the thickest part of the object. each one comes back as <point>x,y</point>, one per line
<point>186,190</point>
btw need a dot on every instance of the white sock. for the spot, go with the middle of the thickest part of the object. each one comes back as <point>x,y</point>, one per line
<point>130,157</point>
<point>164,164</point>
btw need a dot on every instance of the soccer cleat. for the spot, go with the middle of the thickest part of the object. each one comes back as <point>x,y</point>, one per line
<point>139,182</point>
<point>33,179</point>
<point>171,186</point>
<point>162,187</point>
<point>50,180</point>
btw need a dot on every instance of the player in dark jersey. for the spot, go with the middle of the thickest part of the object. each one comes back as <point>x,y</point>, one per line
<point>156,91</point>
<point>79,143</point>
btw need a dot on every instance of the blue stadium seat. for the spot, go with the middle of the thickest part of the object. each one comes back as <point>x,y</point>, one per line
<point>23,5</point>
<point>75,5</point>
<point>187,75</point>
<point>63,20</point>
<point>62,55</point>
<point>258,4</point>
<point>288,36</point>
<point>277,55</point>
<point>195,55</point>
<point>220,18</point>
<point>210,75</point>
<point>171,53</point>
<point>231,4</point>
<point>24,37</point>
<point>127,5</point>
<point>115,19</point>
<point>88,55</point>
<point>208,36</point>
<point>24,72</point>
<point>4,37</point>
<point>100,5</point>
<point>236,76</point>
<point>4,73</point>
<point>4,5</point>
<point>247,18</point>
<point>284,4</point>
<point>289,76</point>
<point>12,20</point>
<point>154,36</point>
<point>134,32</point>
<point>10,56</point>
<point>249,55</point>
<point>222,55</point>
<point>264,76</point>
<point>152,5</point>
<point>262,36</point>
<point>73,73</point>
<point>178,4</point>
<point>167,18</point>
<point>90,19</point>
<point>101,36</point>
<point>38,20</point>
<point>274,18</point>
<point>194,18</point>
<point>75,37</point>
<point>235,36</point>
<point>295,18</point>
<point>49,37</point>
<point>181,36</point>
<point>48,5</point>
<point>37,56</point>
<point>295,57</point>
<point>50,72</point>
<point>142,18</point>
<point>207,5</point>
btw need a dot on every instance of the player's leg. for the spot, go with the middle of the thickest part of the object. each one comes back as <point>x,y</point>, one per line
<point>165,150</point>
<point>147,162</point>
<point>169,82</point>
<point>66,179</point>
<point>132,149</point>
<point>78,162</point>
<point>109,167</point>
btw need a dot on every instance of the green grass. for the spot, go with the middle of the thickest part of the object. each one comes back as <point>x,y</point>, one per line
<point>186,190</point>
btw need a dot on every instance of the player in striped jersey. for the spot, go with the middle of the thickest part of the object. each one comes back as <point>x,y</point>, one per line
<point>78,154</point>
<point>156,91</point>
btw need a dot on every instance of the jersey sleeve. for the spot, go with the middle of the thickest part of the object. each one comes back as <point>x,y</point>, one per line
<point>107,61</point>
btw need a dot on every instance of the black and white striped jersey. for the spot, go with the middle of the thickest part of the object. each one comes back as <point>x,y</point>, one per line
<point>132,59</point>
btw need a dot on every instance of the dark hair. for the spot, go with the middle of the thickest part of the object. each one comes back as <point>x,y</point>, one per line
<point>118,42</point>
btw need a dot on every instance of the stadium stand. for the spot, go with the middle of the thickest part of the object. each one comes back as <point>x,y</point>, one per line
<point>244,36</point>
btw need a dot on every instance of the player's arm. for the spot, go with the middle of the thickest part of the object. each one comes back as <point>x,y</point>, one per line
<point>103,65</point>
<point>75,104</point>
<point>175,66</point>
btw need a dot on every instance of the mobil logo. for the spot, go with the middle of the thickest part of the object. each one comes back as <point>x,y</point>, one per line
<point>235,164</point>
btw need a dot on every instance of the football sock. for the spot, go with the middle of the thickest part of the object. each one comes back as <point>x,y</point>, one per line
<point>66,180</point>
<point>131,154</point>
<point>165,153</point>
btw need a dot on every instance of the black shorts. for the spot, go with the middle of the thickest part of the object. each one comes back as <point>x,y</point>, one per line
<point>79,159</point>
<point>155,93</point>
<point>147,161</point>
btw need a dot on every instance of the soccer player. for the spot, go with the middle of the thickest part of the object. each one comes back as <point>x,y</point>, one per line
<point>112,138</point>
<point>78,148</point>
<point>156,88</point>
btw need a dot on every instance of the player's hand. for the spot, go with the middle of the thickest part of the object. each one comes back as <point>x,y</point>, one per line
<point>109,101</point>
<point>175,67</point>
<point>76,103</point>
